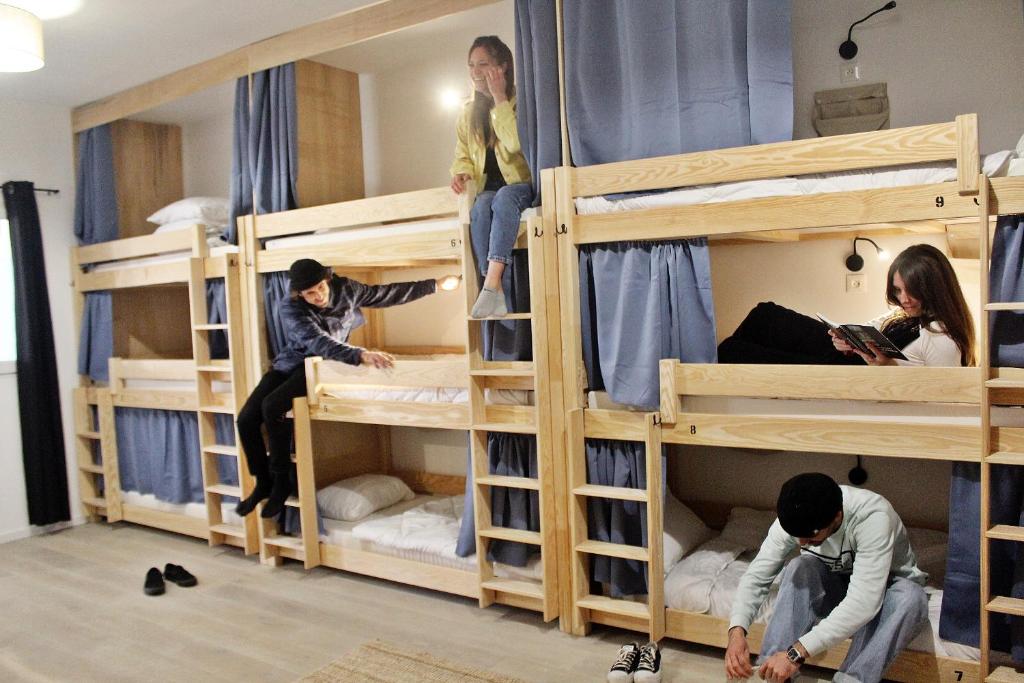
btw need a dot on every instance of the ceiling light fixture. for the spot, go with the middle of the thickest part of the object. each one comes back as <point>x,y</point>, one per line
<point>21,40</point>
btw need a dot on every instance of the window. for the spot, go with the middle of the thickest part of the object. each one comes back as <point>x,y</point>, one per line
<point>8,350</point>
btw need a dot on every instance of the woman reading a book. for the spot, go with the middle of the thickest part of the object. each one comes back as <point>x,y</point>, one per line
<point>931,326</point>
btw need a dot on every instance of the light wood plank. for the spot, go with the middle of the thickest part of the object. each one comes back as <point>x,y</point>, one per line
<point>133,247</point>
<point>135,276</point>
<point>1006,532</point>
<point>615,424</point>
<point>304,474</point>
<point>611,492</point>
<point>918,144</point>
<point>509,482</point>
<point>968,161</point>
<point>527,589</point>
<point>626,552</point>
<point>168,521</point>
<point>422,249</point>
<point>396,413</point>
<point>627,608</point>
<point>515,535</point>
<point>1005,605</point>
<point>445,579</point>
<point>828,435</point>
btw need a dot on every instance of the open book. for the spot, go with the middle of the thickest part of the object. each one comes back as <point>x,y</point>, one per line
<point>857,336</point>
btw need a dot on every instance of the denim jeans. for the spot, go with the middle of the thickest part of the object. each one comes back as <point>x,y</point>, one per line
<point>810,591</point>
<point>494,223</point>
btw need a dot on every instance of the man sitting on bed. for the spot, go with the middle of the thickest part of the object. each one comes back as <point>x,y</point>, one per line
<point>855,577</point>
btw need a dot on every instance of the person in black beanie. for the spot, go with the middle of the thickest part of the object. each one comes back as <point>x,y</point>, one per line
<point>318,317</point>
<point>856,577</point>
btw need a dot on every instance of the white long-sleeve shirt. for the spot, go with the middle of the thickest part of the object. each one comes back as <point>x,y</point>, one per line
<point>932,348</point>
<point>870,546</point>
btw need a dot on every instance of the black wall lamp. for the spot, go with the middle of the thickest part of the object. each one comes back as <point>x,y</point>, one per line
<point>848,50</point>
<point>855,261</point>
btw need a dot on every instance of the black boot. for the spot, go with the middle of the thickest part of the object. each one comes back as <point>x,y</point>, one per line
<point>278,495</point>
<point>260,492</point>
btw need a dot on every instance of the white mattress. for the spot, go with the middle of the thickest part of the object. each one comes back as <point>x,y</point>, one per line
<point>993,165</point>
<point>198,510</point>
<point>349,234</point>
<point>707,580</point>
<point>425,529</point>
<point>169,257</point>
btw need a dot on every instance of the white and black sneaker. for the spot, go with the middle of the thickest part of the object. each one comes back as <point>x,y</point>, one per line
<point>625,664</point>
<point>648,668</point>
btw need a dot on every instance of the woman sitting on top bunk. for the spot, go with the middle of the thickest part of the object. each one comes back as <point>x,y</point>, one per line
<point>487,152</point>
<point>932,326</point>
<point>322,311</point>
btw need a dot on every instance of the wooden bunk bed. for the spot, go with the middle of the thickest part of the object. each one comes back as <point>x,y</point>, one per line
<point>972,197</point>
<point>341,434</point>
<point>164,266</point>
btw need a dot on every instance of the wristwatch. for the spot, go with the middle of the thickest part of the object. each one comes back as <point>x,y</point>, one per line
<point>793,655</point>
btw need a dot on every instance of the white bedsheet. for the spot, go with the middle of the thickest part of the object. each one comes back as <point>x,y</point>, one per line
<point>994,165</point>
<point>169,257</point>
<point>706,580</point>
<point>425,529</point>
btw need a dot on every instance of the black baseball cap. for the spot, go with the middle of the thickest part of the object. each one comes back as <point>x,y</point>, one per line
<point>306,273</point>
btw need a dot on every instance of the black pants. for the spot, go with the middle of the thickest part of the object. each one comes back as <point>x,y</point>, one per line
<point>266,406</point>
<point>774,334</point>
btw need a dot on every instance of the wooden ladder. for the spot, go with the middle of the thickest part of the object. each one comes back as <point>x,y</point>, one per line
<point>533,420</point>
<point>1003,386</point>
<point>98,482</point>
<point>583,602</point>
<point>209,406</point>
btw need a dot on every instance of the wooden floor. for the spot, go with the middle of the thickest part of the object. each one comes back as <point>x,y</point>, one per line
<point>75,611</point>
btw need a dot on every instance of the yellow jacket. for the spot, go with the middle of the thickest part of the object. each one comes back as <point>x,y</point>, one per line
<point>471,154</point>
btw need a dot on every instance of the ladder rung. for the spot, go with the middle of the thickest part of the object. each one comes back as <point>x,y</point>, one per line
<point>1004,605</point>
<point>507,427</point>
<point>1007,306</point>
<point>284,542</point>
<point>93,468</point>
<point>221,449</point>
<point>1005,674</point>
<point>612,492</point>
<point>95,502</point>
<point>224,410</point>
<point>509,482</point>
<point>1004,384</point>
<point>213,368</point>
<point>228,530</point>
<point>510,316</point>
<point>516,535</point>
<point>627,608</point>
<point>1006,532</point>
<point>292,501</point>
<point>210,326</point>
<point>518,369</point>
<point>1005,458</point>
<point>89,434</point>
<point>626,552</point>
<point>224,490</point>
<point>516,587</point>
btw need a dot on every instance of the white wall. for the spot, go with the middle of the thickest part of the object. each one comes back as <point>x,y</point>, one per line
<point>939,59</point>
<point>36,145</point>
<point>206,155</point>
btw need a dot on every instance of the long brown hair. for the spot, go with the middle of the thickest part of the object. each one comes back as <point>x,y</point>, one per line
<point>928,277</point>
<point>480,119</point>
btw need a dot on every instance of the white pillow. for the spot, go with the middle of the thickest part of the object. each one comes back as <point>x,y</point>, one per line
<point>350,500</point>
<point>684,531</point>
<point>208,210</point>
<point>747,528</point>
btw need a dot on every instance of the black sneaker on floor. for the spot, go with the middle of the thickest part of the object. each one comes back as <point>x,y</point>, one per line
<point>154,582</point>
<point>625,664</point>
<point>648,668</point>
<point>180,576</point>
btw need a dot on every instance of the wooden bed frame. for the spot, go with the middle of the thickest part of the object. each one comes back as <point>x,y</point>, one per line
<point>927,208</point>
<point>360,440</point>
<point>192,269</point>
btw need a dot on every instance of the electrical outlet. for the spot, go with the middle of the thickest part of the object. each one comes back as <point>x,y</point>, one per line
<point>849,72</point>
<point>855,282</point>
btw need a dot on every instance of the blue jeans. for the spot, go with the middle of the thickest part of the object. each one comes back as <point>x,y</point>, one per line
<point>494,223</point>
<point>810,591</point>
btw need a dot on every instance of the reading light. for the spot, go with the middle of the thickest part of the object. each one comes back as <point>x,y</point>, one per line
<point>450,283</point>
<point>21,40</point>
<point>855,261</point>
<point>848,49</point>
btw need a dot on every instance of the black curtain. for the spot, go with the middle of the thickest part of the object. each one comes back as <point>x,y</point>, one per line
<point>42,436</point>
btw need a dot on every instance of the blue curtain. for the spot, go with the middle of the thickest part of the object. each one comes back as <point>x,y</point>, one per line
<point>662,77</point>
<point>960,602</point>
<point>537,105</point>
<point>217,314</point>
<point>276,290</point>
<point>264,166</point>
<point>96,220</point>
<point>158,453</point>
<point>640,303</point>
